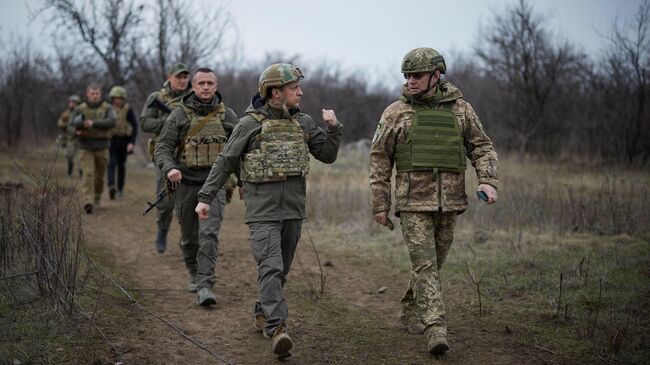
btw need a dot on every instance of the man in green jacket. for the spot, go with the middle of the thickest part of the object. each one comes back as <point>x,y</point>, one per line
<point>427,135</point>
<point>271,146</point>
<point>92,122</point>
<point>152,120</point>
<point>190,141</point>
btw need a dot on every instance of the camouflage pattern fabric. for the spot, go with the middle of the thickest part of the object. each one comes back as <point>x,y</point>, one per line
<point>422,191</point>
<point>428,237</point>
<point>282,152</point>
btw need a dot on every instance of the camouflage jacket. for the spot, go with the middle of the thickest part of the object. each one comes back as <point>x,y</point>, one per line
<point>152,119</point>
<point>63,120</point>
<point>174,132</point>
<point>421,191</point>
<point>276,200</point>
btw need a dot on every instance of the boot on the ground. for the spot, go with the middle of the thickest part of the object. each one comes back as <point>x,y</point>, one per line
<point>205,297</point>
<point>161,241</point>
<point>191,286</point>
<point>88,208</point>
<point>437,341</point>
<point>70,168</point>
<point>281,342</point>
<point>111,192</point>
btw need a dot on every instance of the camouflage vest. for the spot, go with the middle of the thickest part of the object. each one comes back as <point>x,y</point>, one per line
<point>433,143</point>
<point>202,146</point>
<point>282,152</point>
<point>122,128</point>
<point>172,102</point>
<point>64,119</point>
<point>94,114</point>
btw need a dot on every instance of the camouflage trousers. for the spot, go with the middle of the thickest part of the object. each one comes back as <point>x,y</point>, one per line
<point>428,236</point>
<point>199,237</point>
<point>93,164</point>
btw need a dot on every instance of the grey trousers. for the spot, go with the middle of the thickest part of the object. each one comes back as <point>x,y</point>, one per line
<point>199,238</point>
<point>164,209</point>
<point>273,245</point>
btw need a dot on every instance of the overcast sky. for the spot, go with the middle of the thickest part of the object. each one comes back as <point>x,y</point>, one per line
<point>373,35</point>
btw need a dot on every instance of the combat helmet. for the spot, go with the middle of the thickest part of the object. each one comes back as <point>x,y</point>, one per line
<point>117,92</point>
<point>423,60</point>
<point>75,98</point>
<point>278,75</point>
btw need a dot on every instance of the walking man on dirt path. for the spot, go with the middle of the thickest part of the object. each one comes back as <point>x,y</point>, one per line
<point>152,120</point>
<point>190,141</point>
<point>92,122</point>
<point>122,140</point>
<point>428,134</point>
<point>271,146</point>
<point>66,139</point>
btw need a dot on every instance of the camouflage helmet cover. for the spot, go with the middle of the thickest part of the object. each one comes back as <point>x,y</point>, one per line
<point>75,98</point>
<point>423,60</point>
<point>278,75</point>
<point>117,92</point>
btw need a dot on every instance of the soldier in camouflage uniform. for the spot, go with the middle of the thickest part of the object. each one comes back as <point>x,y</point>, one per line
<point>122,140</point>
<point>66,139</point>
<point>271,146</point>
<point>152,120</point>
<point>190,141</point>
<point>92,122</point>
<point>427,134</point>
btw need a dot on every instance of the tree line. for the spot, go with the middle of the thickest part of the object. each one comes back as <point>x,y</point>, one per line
<point>537,95</point>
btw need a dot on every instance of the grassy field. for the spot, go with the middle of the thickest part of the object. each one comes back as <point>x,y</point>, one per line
<point>564,255</point>
<point>564,258</point>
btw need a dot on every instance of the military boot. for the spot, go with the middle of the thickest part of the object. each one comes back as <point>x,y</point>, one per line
<point>88,208</point>
<point>111,192</point>
<point>260,318</point>
<point>205,297</point>
<point>411,322</point>
<point>281,342</point>
<point>161,241</point>
<point>191,286</point>
<point>70,168</point>
<point>437,343</point>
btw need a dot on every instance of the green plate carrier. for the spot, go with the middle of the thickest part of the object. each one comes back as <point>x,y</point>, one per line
<point>433,143</point>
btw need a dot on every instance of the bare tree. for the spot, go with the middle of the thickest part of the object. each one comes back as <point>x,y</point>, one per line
<point>111,28</point>
<point>627,89</point>
<point>527,68</point>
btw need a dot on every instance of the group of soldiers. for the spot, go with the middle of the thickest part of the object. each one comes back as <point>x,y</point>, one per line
<point>200,143</point>
<point>103,134</point>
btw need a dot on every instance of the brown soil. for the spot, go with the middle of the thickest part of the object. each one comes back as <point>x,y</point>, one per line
<point>159,282</point>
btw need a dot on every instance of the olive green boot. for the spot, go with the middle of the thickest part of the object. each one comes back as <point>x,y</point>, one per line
<point>437,341</point>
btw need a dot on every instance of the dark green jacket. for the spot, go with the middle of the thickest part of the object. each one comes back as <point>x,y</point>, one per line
<point>174,132</point>
<point>104,124</point>
<point>152,119</point>
<point>277,200</point>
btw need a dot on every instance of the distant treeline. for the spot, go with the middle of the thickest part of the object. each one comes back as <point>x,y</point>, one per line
<point>536,95</point>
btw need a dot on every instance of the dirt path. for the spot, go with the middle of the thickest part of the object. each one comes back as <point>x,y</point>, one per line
<point>160,281</point>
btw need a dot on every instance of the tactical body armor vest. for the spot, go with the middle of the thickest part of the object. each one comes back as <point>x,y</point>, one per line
<point>204,142</point>
<point>94,114</point>
<point>433,143</point>
<point>123,128</point>
<point>282,152</point>
<point>172,102</point>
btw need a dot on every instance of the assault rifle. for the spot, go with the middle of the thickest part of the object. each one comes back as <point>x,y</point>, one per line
<point>166,191</point>
<point>160,105</point>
